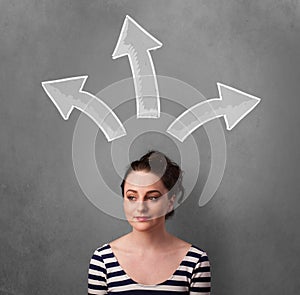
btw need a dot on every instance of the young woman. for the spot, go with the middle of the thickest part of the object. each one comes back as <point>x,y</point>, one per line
<point>149,260</point>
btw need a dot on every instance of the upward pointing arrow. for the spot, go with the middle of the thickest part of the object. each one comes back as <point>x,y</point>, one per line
<point>67,94</point>
<point>232,104</point>
<point>136,43</point>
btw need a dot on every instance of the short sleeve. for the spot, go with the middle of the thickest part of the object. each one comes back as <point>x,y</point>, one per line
<point>201,277</point>
<point>97,275</point>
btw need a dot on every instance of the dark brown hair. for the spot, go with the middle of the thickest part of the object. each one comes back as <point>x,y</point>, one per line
<point>169,172</point>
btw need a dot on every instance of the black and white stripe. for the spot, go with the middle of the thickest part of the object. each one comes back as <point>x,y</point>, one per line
<point>107,277</point>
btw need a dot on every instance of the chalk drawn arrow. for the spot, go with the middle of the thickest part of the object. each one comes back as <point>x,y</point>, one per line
<point>232,104</point>
<point>67,94</point>
<point>136,43</point>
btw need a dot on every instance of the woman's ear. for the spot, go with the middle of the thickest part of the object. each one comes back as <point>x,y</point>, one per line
<point>171,203</point>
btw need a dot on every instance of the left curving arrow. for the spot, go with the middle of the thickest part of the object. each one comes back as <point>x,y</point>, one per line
<point>67,94</point>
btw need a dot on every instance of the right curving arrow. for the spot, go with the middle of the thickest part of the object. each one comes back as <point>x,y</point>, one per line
<point>232,104</point>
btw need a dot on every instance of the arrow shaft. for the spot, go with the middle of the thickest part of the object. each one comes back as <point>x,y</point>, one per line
<point>102,115</point>
<point>195,117</point>
<point>145,84</point>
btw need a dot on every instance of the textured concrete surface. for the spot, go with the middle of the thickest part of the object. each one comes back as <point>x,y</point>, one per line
<point>48,228</point>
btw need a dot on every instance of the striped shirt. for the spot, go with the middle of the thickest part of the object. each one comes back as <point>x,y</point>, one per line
<point>106,276</point>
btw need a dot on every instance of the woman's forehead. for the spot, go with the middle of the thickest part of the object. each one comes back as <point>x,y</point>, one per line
<point>143,179</point>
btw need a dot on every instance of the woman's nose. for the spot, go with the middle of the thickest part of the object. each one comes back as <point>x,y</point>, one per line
<point>142,206</point>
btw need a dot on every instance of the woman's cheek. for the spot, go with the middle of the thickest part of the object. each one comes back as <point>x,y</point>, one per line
<point>160,210</point>
<point>129,208</point>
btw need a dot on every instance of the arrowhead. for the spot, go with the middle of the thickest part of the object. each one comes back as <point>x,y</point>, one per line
<point>64,93</point>
<point>236,104</point>
<point>133,35</point>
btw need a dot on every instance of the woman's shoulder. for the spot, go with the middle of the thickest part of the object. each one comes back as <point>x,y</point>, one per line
<point>101,252</point>
<point>107,250</point>
<point>198,253</point>
<point>197,249</point>
<point>192,249</point>
<point>107,247</point>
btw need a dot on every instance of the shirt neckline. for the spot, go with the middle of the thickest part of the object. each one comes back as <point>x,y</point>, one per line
<point>151,285</point>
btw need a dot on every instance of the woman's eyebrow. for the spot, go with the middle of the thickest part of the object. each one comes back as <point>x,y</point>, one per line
<point>153,191</point>
<point>131,190</point>
<point>148,192</point>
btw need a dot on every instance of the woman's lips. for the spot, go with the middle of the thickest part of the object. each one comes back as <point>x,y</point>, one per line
<point>142,218</point>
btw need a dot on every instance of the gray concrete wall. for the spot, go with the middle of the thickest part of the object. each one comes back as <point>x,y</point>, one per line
<point>49,229</point>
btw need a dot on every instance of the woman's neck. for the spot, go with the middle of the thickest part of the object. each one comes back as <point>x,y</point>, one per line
<point>156,238</point>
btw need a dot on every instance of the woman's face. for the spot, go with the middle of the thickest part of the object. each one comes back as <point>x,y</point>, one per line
<point>145,200</point>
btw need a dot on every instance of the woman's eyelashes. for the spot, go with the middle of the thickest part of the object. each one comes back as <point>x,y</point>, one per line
<point>153,198</point>
<point>150,198</point>
<point>131,198</point>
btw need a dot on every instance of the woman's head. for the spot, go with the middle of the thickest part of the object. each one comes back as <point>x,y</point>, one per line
<point>165,170</point>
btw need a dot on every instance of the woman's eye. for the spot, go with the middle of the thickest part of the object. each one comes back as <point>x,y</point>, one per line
<point>153,198</point>
<point>131,198</point>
